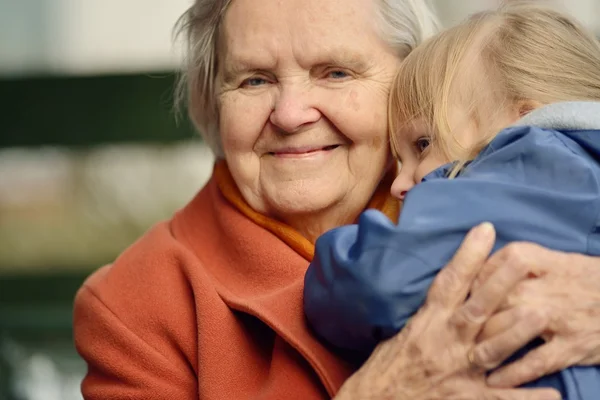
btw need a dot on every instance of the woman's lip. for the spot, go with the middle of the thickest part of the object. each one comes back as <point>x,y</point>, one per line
<point>301,151</point>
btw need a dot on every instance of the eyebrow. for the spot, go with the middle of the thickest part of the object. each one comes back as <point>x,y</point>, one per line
<point>349,59</point>
<point>234,67</point>
<point>237,65</point>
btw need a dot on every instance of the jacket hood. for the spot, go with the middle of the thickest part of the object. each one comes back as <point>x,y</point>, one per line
<point>579,120</point>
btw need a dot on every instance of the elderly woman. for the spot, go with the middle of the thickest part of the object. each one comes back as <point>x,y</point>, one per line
<point>292,98</point>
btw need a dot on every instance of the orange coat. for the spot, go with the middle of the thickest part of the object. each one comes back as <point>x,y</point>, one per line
<point>205,306</point>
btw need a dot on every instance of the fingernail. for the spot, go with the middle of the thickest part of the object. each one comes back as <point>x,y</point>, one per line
<point>484,231</point>
<point>551,396</point>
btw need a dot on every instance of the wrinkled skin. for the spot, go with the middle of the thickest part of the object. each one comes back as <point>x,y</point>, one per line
<point>429,358</point>
<point>303,88</point>
<point>304,131</point>
<point>558,298</point>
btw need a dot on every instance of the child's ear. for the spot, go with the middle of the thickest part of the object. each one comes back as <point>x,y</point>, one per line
<point>524,107</point>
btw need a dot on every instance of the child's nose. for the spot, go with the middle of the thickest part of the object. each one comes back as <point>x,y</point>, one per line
<point>402,184</point>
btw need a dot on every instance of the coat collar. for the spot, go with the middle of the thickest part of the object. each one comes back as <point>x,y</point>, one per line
<point>256,273</point>
<point>381,200</point>
<point>258,265</point>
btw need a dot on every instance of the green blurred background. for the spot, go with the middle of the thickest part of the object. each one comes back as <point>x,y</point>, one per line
<point>90,157</point>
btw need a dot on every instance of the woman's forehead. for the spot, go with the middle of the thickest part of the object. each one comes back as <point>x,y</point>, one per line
<point>343,29</point>
<point>318,14</point>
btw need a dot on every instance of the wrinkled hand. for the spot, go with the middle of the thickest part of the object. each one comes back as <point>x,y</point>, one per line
<point>429,359</point>
<point>557,299</point>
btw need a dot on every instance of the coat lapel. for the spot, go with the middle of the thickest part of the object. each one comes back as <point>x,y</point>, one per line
<point>257,273</point>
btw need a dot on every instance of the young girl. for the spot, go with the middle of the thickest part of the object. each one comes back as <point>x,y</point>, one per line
<point>528,70</point>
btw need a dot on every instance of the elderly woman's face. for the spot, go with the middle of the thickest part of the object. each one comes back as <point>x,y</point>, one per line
<point>303,88</point>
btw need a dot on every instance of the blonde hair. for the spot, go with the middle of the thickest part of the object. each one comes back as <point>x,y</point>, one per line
<point>519,52</point>
<point>403,24</point>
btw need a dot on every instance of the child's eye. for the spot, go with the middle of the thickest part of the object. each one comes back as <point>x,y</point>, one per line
<point>422,144</point>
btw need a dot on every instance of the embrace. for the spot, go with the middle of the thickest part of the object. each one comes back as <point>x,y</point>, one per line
<point>309,107</point>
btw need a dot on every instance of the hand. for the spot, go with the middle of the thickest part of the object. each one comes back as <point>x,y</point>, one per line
<point>557,299</point>
<point>429,359</point>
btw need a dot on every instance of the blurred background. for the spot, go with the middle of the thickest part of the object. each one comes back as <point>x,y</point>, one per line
<point>90,157</point>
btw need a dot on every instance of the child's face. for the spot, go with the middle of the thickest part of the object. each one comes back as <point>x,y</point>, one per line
<point>420,156</point>
<point>417,155</point>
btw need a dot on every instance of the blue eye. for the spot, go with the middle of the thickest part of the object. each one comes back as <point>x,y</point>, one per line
<point>422,144</point>
<point>337,74</point>
<point>253,82</point>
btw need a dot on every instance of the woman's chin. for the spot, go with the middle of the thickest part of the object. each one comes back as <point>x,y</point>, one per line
<point>305,197</point>
<point>325,184</point>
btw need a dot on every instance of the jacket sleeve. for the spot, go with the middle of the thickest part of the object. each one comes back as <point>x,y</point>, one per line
<point>123,363</point>
<point>366,280</point>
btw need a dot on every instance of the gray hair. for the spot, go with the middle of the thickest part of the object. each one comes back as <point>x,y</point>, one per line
<point>404,25</point>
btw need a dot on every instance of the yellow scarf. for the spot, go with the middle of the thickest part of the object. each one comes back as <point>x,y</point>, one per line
<point>381,200</point>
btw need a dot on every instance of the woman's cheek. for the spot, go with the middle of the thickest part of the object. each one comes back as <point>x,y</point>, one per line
<point>353,100</point>
<point>372,116</point>
<point>357,113</point>
<point>242,119</point>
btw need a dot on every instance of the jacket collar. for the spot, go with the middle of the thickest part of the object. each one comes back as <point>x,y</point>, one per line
<point>255,272</point>
<point>567,115</point>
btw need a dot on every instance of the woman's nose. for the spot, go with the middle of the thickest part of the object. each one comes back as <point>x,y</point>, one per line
<point>293,110</point>
<point>401,185</point>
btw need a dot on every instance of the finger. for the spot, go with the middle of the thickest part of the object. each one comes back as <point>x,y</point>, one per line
<point>492,352</point>
<point>500,322</point>
<point>452,284</point>
<point>487,298</point>
<point>517,304</point>
<point>536,363</point>
<point>528,256</point>
<point>523,394</point>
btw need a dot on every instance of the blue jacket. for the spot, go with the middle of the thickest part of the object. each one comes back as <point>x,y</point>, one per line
<point>536,183</point>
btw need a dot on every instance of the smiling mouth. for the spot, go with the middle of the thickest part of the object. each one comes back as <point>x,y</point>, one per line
<point>303,151</point>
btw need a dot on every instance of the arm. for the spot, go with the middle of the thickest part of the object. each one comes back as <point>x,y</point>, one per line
<point>370,278</point>
<point>428,359</point>
<point>123,362</point>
